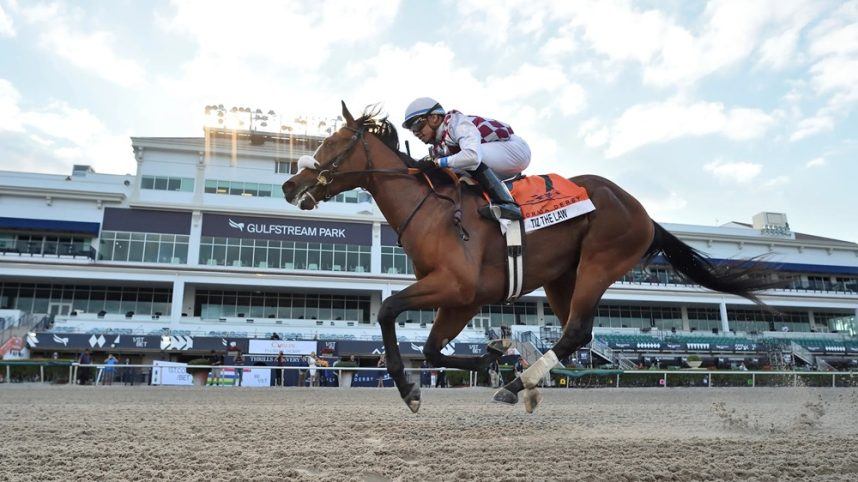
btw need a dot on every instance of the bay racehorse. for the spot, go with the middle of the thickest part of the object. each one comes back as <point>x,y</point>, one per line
<point>575,261</point>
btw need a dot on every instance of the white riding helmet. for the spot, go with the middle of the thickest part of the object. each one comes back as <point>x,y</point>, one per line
<point>419,107</point>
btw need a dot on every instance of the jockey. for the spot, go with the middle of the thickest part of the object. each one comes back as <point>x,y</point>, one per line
<point>475,144</point>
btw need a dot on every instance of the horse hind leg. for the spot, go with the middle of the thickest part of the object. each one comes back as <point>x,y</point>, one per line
<point>559,294</point>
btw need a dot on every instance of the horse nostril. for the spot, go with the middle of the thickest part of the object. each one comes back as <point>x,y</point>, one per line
<point>288,187</point>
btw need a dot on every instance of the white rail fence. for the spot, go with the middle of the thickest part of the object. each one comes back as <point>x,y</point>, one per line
<point>666,378</point>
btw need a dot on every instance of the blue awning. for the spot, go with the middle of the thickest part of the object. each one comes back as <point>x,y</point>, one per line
<point>25,224</point>
<point>791,267</point>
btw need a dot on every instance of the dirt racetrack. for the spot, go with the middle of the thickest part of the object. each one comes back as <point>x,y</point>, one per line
<point>220,433</point>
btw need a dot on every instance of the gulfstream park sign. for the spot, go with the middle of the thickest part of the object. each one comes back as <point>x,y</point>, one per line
<point>286,229</point>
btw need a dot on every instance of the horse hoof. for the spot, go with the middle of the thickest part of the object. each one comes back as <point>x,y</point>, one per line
<point>499,346</point>
<point>505,396</point>
<point>532,397</point>
<point>413,399</point>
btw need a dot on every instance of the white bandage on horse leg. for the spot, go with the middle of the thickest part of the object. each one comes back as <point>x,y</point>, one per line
<point>535,372</point>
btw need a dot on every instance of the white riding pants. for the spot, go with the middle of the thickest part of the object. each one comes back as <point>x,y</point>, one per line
<point>506,158</point>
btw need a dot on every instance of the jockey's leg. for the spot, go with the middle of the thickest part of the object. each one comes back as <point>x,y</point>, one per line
<point>501,160</point>
<point>449,322</point>
<point>429,292</point>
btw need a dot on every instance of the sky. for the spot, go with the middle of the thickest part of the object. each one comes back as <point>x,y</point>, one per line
<point>708,112</point>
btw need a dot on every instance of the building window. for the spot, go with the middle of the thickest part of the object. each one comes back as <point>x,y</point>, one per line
<point>520,313</point>
<point>160,183</point>
<point>704,319</point>
<point>758,320</point>
<point>261,253</point>
<point>46,245</point>
<point>285,167</point>
<point>212,304</point>
<point>143,247</point>
<point>395,261</point>
<point>355,196</point>
<point>631,316</point>
<point>255,189</point>
<point>38,298</point>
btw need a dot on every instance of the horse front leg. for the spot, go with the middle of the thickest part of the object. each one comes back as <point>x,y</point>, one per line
<point>429,292</point>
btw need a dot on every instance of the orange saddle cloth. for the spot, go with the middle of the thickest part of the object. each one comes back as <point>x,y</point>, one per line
<point>549,199</point>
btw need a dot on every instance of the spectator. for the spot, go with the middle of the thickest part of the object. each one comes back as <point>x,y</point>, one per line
<point>441,382</point>
<point>216,361</point>
<point>109,369</point>
<point>83,372</point>
<point>311,364</point>
<point>278,375</point>
<point>494,374</point>
<point>742,367</point>
<point>520,366</point>
<point>322,378</point>
<point>425,376</point>
<point>382,364</point>
<point>239,370</point>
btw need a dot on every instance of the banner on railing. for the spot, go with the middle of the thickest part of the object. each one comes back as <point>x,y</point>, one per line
<point>288,347</point>
<point>170,373</point>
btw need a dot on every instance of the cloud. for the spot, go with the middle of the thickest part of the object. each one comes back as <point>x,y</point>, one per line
<point>741,172</point>
<point>9,111</point>
<point>299,34</point>
<point>661,207</point>
<point>776,182</point>
<point>93,51</point>
<point>59,132</point>
<point>651,123</point>
<point>816,162</point>
<point>812,125</point>
<point>7,28</point>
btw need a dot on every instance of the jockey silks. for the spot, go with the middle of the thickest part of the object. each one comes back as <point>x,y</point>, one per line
<point>459,137</point>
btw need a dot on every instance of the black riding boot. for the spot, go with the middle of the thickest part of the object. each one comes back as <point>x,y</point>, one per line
<point>498,193</point>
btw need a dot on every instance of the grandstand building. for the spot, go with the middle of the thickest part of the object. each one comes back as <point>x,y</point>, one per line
<point>199,244</point>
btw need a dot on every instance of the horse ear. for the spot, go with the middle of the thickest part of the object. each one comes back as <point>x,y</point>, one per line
<point>347,115</point>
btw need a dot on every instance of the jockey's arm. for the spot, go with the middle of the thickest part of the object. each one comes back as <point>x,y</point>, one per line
<point>468,138</point>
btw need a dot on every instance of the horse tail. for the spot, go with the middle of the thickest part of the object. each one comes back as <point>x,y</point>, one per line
<point>742,277</point>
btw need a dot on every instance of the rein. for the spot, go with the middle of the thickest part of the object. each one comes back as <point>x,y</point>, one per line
<point>326,176</point>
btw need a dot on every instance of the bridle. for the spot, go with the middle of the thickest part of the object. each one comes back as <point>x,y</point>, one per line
<point>326,176</point>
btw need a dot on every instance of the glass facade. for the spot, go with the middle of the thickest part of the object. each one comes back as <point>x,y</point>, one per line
<point>143,247</point>
<point>395,261</point>
<point>161,183</point>
<point>38,298</point>
<point>46,245</point>
<point>519,313</point>
<point>286,167</point>
<point>260,253</point>
<point>835,322</point>
<point>255,189</point>
<point>236,188</point>
<point>759,320</point>
<point>211,304</point>
<point>704,319</point>
<point>630,316</point>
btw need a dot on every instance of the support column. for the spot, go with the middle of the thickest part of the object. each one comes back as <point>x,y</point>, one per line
<point>375,250</point>
<point>176,305</point>
<point>725,323</point>
<point>686,325</point>
<point>194,241</point>
<point>812,320</point>
<point>540,312</point>
<point>189,298</point>
<point>375,300</point>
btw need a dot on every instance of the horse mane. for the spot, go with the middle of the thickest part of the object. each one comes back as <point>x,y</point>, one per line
<point>373,122</point>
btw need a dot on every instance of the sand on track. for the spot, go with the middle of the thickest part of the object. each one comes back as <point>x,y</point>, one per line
<point>227,433</point>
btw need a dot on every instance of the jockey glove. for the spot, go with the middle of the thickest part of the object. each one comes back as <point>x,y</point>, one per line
<point>427,164</point>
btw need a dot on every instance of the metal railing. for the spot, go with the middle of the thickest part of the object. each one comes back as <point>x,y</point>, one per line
<point>608,353</point>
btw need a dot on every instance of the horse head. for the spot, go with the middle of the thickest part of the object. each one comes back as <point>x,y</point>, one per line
<point>337,164</point>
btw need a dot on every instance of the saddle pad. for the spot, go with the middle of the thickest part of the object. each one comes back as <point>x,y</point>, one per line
<point>549,199</point>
